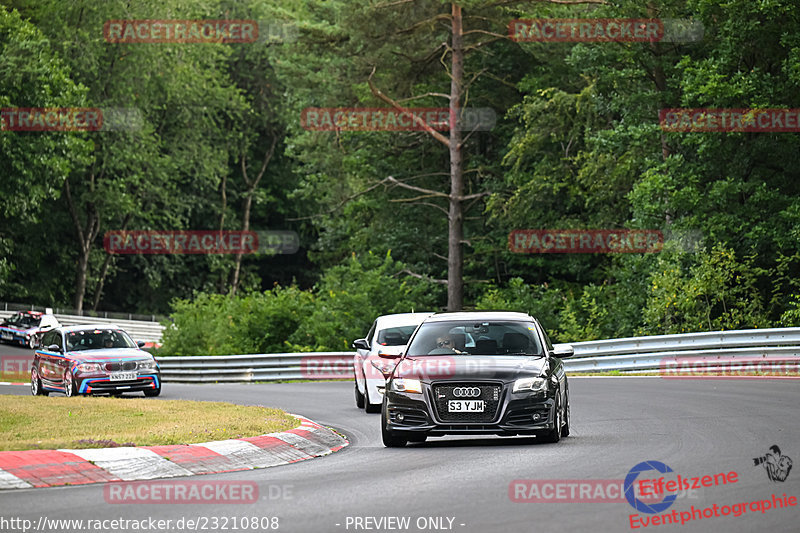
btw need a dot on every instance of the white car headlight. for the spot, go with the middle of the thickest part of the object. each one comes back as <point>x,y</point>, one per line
<point>407,385</point>
<point>90,367</point>
<point>147,365</point>
<point>530,384</point>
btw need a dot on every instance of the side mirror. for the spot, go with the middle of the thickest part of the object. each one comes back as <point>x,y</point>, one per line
<point>361,344</point>
<point>140,344</point>
<point>53,348</point>
<point>563,350</point>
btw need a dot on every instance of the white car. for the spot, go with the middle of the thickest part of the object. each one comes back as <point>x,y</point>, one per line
<point>389,334</point>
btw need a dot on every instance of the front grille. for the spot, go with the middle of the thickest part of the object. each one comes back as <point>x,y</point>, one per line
<point>489,393</point>
<point>124,365</point>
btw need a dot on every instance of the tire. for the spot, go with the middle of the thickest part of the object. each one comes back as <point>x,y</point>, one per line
<point>36,384</point>
<point>70,389</point>
<point>565,429</point>
<point>152,393</point>
<point>554,435</point>
<point>32,342</point>
<point>390,439</point>
<point>359,397</point>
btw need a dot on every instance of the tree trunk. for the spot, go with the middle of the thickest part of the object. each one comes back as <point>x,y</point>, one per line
<point>98,288</point>
<point>248,202</point>
<point>252,186</point>
<point>455,251</point>
<point>85,238</point>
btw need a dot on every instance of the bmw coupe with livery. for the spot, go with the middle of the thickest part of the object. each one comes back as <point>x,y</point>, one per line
<point>92,359</point>
<point>477,373</point>
<point>26,327</point>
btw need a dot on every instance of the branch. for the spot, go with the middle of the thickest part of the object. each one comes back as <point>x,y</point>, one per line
<point>493,34</point>
<point>411,28</point>
<point>440,208</point>
<point>424,95</point>
<point>420,276</point>
<point>435,134</point>
<point>473,196</point>
<point>336,208</point>
<point>422,190</point>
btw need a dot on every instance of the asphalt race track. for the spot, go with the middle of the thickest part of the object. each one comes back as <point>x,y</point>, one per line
<point>697,427</point>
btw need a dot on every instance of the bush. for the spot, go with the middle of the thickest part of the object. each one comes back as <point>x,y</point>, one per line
<point>340,309</point>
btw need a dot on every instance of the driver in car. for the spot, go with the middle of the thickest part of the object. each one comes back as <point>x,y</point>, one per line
<point>446,342</point>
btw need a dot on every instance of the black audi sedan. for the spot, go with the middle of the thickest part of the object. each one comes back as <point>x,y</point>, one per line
<point>482,372</point>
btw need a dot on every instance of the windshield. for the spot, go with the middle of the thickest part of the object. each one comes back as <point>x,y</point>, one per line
<point>395,336</point>
<point>97,339</point>
<point>476,338</point>
<point>24,320</point>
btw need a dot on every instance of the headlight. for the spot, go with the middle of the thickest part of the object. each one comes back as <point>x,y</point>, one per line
<point>147,365</point>
<point>90,367</point>
<point>407,385</point>
<point>530,384</point>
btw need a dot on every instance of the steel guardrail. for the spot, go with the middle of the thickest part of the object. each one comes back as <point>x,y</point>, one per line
<point>633,354</point>
<point>140,330</point>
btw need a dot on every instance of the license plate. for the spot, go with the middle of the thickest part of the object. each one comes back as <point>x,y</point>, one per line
<point>122,376</point>
<point>6,335</point>
<point>465,406</point>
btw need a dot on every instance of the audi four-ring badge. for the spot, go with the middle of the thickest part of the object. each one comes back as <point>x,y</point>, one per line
<point>477,373</point>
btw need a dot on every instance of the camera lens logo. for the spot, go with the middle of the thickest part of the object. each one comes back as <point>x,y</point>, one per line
<point>466,392</point>
<point>638,504</point>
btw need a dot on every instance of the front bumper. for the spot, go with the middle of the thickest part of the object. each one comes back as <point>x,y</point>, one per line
<point>103,385</point>
<point>516,414</point>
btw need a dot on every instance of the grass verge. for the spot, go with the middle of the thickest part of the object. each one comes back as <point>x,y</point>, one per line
<point>31,423</point>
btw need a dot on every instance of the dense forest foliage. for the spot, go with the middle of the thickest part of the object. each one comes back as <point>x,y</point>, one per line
<point>384,223</point>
